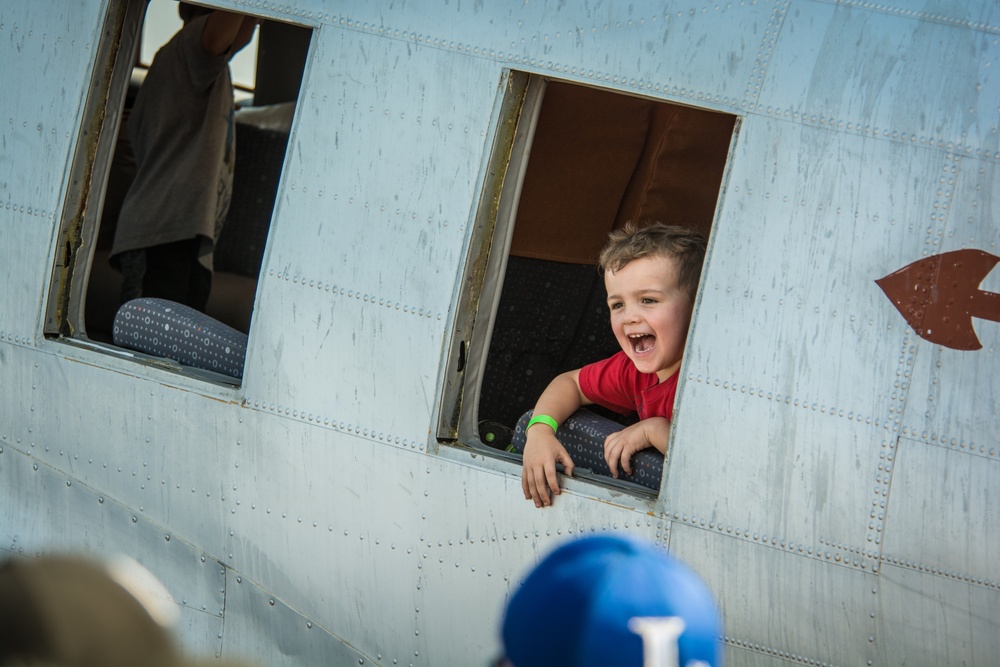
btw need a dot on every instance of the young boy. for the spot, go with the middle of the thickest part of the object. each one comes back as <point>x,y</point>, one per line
<point>651,275</point>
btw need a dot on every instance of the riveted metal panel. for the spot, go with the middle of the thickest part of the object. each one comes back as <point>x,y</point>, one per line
<point>76,518</point>
<point>703,54</point>
<point>800,240</point>
<point>261,629</point>
<point>791,606</point>
<point>967,215</point>
<point>967,421</point>
<point>39,41</point>
<point>785,475</point>
<point>816,414</point>
<point>356,186</point>
<point>404,208</point>
<point>941,516</point>
<point>52,41</point>
<point>926,619</point>
<point>350,341</point>
<point>164,462</point>
<point>313,534</point>
<point>899,61</point>
<point>976,16</point>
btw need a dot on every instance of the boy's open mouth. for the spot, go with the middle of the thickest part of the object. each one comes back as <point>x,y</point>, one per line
<point>641,342</point>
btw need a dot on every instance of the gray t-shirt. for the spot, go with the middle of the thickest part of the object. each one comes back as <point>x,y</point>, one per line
<point>182,135</point>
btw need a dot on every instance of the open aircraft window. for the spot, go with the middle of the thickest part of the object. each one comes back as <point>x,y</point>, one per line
<point>114,221</point>
<point>598,159</point>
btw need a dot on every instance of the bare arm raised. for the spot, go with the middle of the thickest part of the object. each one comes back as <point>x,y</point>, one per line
<point>542,450</point>
<point>226,31</point>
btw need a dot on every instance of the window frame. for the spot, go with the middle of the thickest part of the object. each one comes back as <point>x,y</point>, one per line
<point>518,107</point>
<point>89,176</point>
<point>520,103</point>
<point>89,169</point>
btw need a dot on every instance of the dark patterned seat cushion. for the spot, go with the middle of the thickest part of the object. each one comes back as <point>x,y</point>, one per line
<point>583,437</point>
<point>167,329</point>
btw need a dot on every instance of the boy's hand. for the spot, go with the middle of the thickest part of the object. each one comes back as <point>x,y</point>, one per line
<point>621,445</point>
<point>538,476</point>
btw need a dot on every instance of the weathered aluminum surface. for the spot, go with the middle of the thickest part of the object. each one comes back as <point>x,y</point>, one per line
<point>943,497</point>
<point>261,629</point>
<point>378,283</point>
<point>832,475</point>
<point>959,618</point>
<point>776,590</point>
<point>395,549</point>
<point>52,40</point>
<point>72,516</point>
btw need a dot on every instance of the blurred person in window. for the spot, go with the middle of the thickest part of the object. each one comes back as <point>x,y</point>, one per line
<point>183,137</point>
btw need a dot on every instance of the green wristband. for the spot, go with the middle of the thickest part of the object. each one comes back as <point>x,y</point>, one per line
<point>543,419</point>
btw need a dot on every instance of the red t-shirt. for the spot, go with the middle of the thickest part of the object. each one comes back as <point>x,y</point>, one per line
<point>616,384</point>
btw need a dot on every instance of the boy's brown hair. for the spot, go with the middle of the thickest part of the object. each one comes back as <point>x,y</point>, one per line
<point>631,242</point>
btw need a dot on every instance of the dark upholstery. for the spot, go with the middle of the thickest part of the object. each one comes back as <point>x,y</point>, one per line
<point>166,329</point>
<point>551,319</point>
<point>260,154</point>
<point>583,437</point>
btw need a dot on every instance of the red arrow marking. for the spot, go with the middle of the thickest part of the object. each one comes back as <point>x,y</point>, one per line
<point>938,296</point>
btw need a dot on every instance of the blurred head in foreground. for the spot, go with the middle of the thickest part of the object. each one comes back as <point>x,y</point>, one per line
<point>609,600</point>
<point>68,611</point>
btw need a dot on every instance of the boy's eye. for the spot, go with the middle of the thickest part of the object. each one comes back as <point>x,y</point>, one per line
<point>648,299</point>
<point>615,306</point>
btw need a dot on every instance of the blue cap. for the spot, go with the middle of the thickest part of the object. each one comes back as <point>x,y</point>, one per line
<point>575,607</point>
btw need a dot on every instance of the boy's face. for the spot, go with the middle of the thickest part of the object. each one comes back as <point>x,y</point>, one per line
<point>650,314</point>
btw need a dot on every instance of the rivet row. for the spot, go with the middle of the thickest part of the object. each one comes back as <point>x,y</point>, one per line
<point>28,210</point>
<point>822,408</point>
<point>767,650</point>
<point>356,294</point>
<point>345,427</point>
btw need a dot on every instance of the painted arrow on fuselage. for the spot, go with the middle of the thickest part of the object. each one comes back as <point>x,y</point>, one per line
<point>938,296</point>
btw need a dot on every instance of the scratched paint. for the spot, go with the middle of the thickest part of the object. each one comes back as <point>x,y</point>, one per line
<point>831,473</point>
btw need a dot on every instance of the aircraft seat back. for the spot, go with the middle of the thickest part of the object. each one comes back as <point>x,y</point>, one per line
<point>551,318</point>
<point>261,140</point>
<point>167,329</point>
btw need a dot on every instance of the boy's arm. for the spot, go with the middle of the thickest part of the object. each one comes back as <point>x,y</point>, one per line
<point>620,446</point>
<point>541,449</point>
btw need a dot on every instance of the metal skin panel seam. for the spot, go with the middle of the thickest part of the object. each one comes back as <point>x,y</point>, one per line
<point>943,501</point>
<point>959,619</point>
<point>902,69</point>
<point>541,61</point>
<point>356,294</point>
<point>776,572</point>
<point>834,553</point>
<point>255,613</point>
<point>141,539</point>
<point>768,41</point>
<point>919,14</point>
<point>357,537</point>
